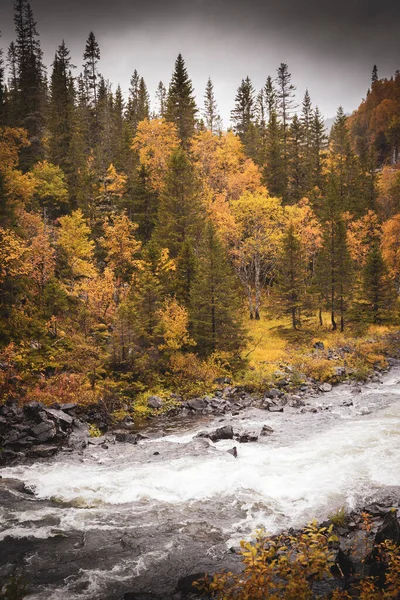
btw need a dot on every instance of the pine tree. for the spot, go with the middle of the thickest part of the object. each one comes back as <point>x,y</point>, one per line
<point>186,268</point>
<point>211,116</point>
<point>290,276</point>
<point>318,144</point>
<point>243,114</point>
<point>374,76</point>
<point>285,99</point>
<point>30,88</point>
<point>334,273</point>
<point>270,97</point>
<point>296,161</point>
<point>180,212</point>
<point>181,105</point>
<point>275,175</point>
<point>61,109</point>
<point>161,96</point>
<point>12,87</point>
<point>379,293</point>
<point>215,304</point>
<point>91,56</point>
<point>143,205</point>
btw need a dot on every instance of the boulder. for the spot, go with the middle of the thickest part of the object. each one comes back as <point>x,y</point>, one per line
<point>389,530</point>
<point>296,402</point>
<point>44,431</point>
<point>197,404</point>
<point>247,436</point>
<point>325,387</point>
<point>266,430</point>
<point>319,346</point>
<point>233,451</point>
<point>154,402</point>
<point>59,416</point>
<point>273,393</point>
<point>125,437</point>
<point>275,409</point>
<point>222,433</point>
<point>42,451</point>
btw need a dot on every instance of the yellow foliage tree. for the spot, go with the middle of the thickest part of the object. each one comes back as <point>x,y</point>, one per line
<point>74,241</point>
<point>122,247</point>
<point>391,247</point>
<point>174,322</point>
<point>155,141</point>
<point>13,251</point>
<point>360,233</point>
<point>99,295</point>
<point>223,166</point>
<point>50,185</point>
<point>252,229</point>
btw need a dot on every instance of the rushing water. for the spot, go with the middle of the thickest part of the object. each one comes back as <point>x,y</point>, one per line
<point>139,517</point>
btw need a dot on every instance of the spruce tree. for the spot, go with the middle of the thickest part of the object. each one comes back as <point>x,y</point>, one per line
<point>91,56</point>
<point>61,109</point>
<point>296,161</point>
<point>334,269</point>
<point>374,76</point>
<point>181,105</point>
<point>215,303</point>
<point>290,276</point>
<point>211,116</point>
<point>285,99</point>
<point>275,175</point>
<point>11,118</point>
<point>243,114</point>
<point>318,142</point>
<point>161,96</point>
<point>30,96</point>
<point>379,294</point>
<point>180,211</point>
<point>270,97</point>
<point>143,204</point>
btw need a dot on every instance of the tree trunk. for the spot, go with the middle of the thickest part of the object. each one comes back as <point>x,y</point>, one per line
<point>250,299</point>
<point>257,289</point>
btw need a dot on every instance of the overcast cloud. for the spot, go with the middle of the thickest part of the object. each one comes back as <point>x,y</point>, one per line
<point>330,47</point>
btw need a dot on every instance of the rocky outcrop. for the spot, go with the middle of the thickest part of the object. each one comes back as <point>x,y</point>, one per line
<point>34,430</point>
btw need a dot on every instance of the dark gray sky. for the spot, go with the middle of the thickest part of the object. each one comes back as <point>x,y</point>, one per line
<point>329,45</point>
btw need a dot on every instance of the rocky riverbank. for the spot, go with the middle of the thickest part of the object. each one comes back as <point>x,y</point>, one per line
<point>35,431</point>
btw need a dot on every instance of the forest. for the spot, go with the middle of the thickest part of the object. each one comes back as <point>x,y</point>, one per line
<point>144,244</point>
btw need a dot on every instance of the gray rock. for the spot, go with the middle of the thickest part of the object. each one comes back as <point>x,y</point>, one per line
<point>155,402</point>
<point>325,387</point>
<point>247,436</point>
<point>273,393</point>
<point>319,345</point>
<point>59,416</point>
<point>45,431</point>
<point>222,433</point>
<point>296,402</point>
<point>275,409</point>
<point>43,451</point>
<point>197,404</point>
<point>233,451</point>
<point>266,430</point>
<point>340,371</point>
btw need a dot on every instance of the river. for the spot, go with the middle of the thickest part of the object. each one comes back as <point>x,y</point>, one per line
<point>137,518</point>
